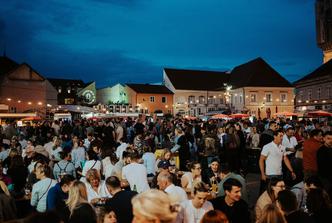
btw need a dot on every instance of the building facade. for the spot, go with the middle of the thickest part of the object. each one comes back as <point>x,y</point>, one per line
<point>149,99</point>
<point>259,90</point>
<point>23,89</point>
<point>314,91</point>
<point>67,90</point>
<point>115,95</point>
<point>196,92</point>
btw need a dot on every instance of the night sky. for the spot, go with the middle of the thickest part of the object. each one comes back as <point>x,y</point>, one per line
<point>113,41</point>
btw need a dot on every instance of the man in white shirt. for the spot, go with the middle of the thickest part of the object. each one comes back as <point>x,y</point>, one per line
<point>122,147</point>
<point>289,141</point>
<point>165,183</point>
<point>272,155</point>
<point>119,131</point>
<point>135,174</point>
<point>193,210</point>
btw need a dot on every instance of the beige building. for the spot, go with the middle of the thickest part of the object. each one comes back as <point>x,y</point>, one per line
<point>254,88</point>
<point>116,94</point>
<point>23,89</point>
<point>196,92</point>
<point>259,90</point>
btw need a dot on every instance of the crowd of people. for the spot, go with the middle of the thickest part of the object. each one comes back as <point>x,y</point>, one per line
<point>165,170</point>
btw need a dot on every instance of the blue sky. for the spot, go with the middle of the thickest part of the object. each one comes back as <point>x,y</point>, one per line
<point>113,41</point>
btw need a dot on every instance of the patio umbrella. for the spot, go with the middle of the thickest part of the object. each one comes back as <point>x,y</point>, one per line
<point>239,115</point>
<point>285,114</point>
<point>190,117</point>
<point>32,118</point>
<point>220,116</point>
<point>319,113</point>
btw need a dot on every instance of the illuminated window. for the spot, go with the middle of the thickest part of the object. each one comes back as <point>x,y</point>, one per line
<point>268,97</point>
<point>253,97</point>
<point>69,101</point>
<point>191,99</point>
<point>283,97</point>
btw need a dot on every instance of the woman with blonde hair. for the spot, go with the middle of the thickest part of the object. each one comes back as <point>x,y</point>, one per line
<point>272,214</point>
<point>95,187</point>
<point>80,209</point>
<point>153,206</point>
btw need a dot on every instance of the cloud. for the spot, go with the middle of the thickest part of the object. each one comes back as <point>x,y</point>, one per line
<point>105,67</point>
<point>123,3</point>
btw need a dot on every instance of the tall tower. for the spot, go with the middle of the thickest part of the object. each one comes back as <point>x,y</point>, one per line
<point>324,27</point>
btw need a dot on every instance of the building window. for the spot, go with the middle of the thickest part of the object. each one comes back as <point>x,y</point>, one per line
<point>240,98</point>
<point>201,99</point>
<point>210,100</point>
<point>328,92</point>
<point>318,93</point>
<point>199,111</point>
<point>163,100</point>
<point>309,94</point>
<point>69,101</point>
<point>283,97</point>
<point>253,97</point>
<point>152,99</point>
<point>268,97</point>
<point>59,90</point>
<point>191,99</point>
<point>301,95</point>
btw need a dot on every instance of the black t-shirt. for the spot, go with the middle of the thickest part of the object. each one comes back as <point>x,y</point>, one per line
<point>238,213</point>
<point>139,128</point>
<point>324,162</point>
<point>299,217</point>
<point>121,204</point>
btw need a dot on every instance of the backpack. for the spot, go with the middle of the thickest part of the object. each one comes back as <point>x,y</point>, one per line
<point>62,171</point>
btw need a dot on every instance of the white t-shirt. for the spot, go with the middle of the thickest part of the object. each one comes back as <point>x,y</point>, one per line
<point>190,214</point>
<point>136,174</point>
<point>149,162</point>
<point>102,191</point>
<point>289,143</point>
<point>55,153</point>
<point>91,164</point>
<point>274,156</point>
<point>176,194</point>
<point>49,148</point>
<point>119,133</point>
<point>107,167</point>
<point>120,149</point>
